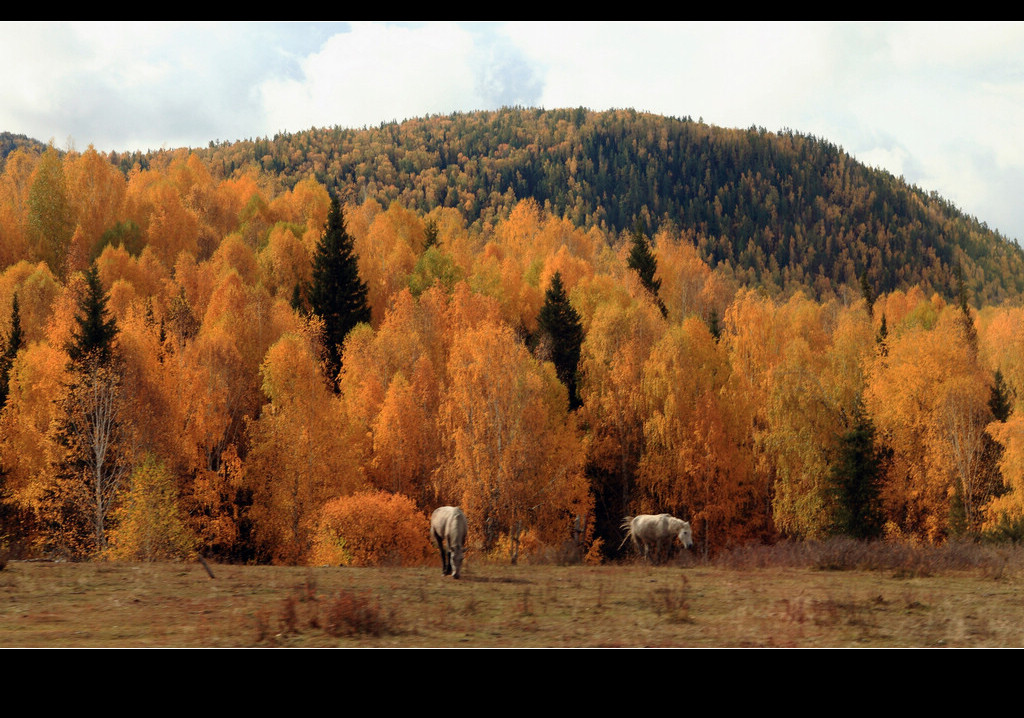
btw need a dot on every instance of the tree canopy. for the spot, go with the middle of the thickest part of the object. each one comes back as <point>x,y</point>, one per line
<point>337,295</point>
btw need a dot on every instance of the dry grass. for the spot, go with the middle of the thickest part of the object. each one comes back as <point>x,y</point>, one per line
<point>765,597</point>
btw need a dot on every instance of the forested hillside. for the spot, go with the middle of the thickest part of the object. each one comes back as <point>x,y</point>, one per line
<point>550,370</point>
<point>780,210</point>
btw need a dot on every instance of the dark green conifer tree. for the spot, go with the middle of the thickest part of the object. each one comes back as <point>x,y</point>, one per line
<point>93,341</point>
<point>856,481</point>
<point>868,293</point>
<point>95,462</point>
<point>9,512</point>
<point>715,325</point>
<point>429,234</point>
<point>297,303</point>
<point>14,342</point>
<point>999,398</point>
<point>1000,404</point>
<point>966,320</point>
<point>560,329</point>
<point>337,295</point>
<point>642,261</point>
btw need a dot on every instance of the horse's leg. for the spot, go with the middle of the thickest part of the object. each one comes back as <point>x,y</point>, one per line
<point>445,562</point>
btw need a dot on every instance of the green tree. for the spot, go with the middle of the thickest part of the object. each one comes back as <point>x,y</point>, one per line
<point>150,524</point>
<point>9,513</point>
<point>856,481</point>
<point>966,320</point>
<point>50,213</point>
<point>92,342</point>
<point>14,342</point>
<point>429,234</point>
<point>868,293</point>
<point>1000,403</point>
<point>562,333</point>
<point>92,431</point>
<point>642,261</point>
<point>337,295</point>
<point>882,337</point>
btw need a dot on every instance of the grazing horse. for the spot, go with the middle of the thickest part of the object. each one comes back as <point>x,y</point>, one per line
<point>657,531</point>
<point>448,528</point>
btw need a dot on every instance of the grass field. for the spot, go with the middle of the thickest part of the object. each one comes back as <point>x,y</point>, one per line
<point>745,601</point>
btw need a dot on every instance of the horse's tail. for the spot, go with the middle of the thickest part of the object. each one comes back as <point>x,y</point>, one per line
<point>627,526</point>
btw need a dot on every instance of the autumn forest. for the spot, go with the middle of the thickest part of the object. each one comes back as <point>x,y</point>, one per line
<point>291,350</point>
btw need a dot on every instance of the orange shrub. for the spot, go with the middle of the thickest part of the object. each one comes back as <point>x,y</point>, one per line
<point>371,528</point>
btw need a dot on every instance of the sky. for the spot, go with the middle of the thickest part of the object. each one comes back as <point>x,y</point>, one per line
<point>940,104</point>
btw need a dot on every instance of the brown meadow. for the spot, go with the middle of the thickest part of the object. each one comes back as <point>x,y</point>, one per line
<point>778,597</point>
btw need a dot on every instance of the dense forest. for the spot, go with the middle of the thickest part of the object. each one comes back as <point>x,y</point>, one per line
<point>777,210</point>
<point>275,350</point>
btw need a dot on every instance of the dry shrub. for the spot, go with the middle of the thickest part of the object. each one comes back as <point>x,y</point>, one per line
<point>903,558</point>
<point>289,618</point>
<point>263,631</point>
<point>372,529</point>
<point>350,614</point>
<point>594,556</point>
<point>672,603</point>
<point>567,553</point>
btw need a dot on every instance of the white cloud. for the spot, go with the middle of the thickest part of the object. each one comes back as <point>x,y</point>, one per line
<point>940,103</point>
<point>376,73</point>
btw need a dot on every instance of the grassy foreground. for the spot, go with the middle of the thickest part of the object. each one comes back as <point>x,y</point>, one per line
<point>737,603</point>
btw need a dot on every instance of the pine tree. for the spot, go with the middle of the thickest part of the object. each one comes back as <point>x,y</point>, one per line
<point>966,320</point>
<point>856,481</point>
<point>643,262</point>
<point>560,323</point>
<point>1000,404</point>
<point>882,338</point>
<point>296,303</point>
<point>8,510</point>
<point>868,293</point>
<point>93,342</point>
<point>999,398</point>
<point>715,325</point>
<point>429,234</point>
<point>14,342</point>
<point>91,430</point>
<point>337,295</point>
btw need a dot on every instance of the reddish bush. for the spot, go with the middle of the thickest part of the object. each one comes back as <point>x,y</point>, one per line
<point>372,529</point>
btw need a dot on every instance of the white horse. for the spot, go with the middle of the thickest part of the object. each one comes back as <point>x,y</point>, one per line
<point>658,531</point>
<point>448,528</point>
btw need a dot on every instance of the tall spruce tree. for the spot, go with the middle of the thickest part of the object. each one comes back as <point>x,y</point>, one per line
<point>96,460</point>
<point>560,327</point>
<point>1000,403</point>
<point>856,478</point>
<point>9,513</point>
<point>337,295</point>
<point>92,343</point>
<point>429,234</point>
<point>868,293</point>
<point>14,342</point>
<point>642,261</point>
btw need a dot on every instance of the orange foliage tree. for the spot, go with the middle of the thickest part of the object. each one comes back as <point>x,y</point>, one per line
<point>928,396</point>
<point>512,458</point>
<point>301,453</point>
<point>695,463</point>
<point>371,529</point>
